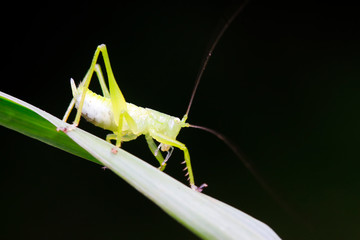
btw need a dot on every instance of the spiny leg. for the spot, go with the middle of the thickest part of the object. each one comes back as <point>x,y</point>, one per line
<point>153,147</point>
<point>172,142</point>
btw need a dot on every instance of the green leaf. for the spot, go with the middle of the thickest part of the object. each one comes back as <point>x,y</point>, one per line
<point>26,119</point>
<point>205,216</point>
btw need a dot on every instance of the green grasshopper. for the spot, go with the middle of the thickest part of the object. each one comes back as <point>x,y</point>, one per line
<point>128,121</point>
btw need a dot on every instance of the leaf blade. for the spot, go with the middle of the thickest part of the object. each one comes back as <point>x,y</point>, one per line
<point>205,216</point>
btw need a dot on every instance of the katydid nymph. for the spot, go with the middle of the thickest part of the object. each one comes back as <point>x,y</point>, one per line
<point>128,121</point>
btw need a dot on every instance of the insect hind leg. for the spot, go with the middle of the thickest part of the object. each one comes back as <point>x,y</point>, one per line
<point>103,86</point>
<point>85,85</point>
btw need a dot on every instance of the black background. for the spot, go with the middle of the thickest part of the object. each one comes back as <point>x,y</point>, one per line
<point>283,84</point>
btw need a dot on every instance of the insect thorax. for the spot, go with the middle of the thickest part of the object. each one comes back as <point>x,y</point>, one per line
<point>164,124</point>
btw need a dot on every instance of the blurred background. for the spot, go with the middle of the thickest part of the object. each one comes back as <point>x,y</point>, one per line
<point>282,84</point>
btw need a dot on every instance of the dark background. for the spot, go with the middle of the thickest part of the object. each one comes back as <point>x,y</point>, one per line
<point>283,84</point>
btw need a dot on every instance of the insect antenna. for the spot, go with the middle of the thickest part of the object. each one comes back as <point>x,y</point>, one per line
<point>210,51</point>
<point>252,170</point>
<point>229,143</point>
<point>244,160</point>
<point>217,134</point>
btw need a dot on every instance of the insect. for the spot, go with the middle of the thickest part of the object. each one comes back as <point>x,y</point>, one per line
<point>128,121</point>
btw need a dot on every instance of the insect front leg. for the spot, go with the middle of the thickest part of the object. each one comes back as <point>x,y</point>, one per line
<point>172,142</point>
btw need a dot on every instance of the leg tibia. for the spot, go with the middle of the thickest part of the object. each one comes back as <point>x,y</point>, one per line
<point>103,86</point>
<point>85,84</point>
<point>68,111</point>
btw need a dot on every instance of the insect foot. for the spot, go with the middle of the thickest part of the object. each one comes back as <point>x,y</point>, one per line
<point>114,150</point>
<point>66,129</point>
<point>162,167</point>
<point>199,189</point>
<point>61,129</point>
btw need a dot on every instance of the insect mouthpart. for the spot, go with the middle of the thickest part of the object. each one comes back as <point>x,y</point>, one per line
<point>165,147</point>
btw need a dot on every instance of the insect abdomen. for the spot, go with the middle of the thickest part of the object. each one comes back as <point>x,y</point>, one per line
<point>97,110</point>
